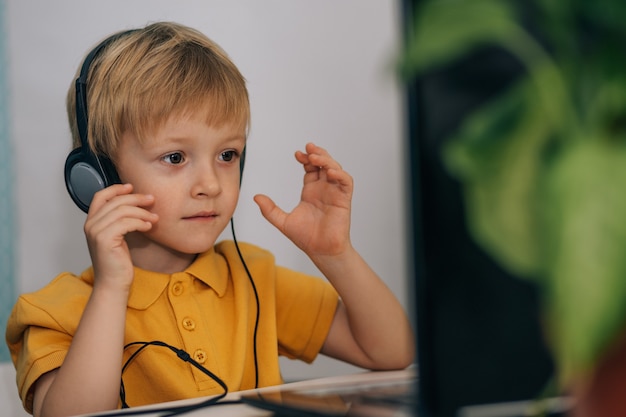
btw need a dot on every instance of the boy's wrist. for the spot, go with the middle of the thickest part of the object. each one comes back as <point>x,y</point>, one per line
<point>337,261</point>
<point>110,292</point>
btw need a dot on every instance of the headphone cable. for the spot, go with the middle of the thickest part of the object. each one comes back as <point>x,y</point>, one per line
<point>258,304</point>
<point>175,410</point>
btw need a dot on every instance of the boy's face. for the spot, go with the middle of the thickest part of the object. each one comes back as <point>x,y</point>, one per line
<point>192,170</point>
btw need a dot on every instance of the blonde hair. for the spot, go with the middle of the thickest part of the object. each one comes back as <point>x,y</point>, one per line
<point>142,78</point>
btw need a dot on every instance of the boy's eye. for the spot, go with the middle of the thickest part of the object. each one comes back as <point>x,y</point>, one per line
<point>228,156</point>
<point>174,158</point>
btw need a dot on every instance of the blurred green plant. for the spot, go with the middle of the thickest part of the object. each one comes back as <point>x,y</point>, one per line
<point>543,164</point>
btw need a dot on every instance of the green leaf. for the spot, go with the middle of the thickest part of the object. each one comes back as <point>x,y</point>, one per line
<point>446,29</point>
<point>606,15</point>
<point>498,156</point>
<point>606,109</point>
<point>585,236</point>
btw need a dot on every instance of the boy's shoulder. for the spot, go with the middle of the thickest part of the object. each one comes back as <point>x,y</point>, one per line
<point>55,306</point>
<point>65,285</point>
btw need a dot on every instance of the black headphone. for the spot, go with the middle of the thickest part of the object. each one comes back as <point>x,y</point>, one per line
<point>85,172</point>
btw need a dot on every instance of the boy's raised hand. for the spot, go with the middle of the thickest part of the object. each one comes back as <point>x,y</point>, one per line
<point>320,224</point>
<point>114,212</point>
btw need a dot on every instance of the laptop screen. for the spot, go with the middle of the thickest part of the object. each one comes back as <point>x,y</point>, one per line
<point>479,334</point>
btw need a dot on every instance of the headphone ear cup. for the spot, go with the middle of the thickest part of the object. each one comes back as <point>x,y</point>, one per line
<point>83,177</point>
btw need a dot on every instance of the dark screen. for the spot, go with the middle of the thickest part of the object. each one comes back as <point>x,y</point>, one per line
<point>479,333</point>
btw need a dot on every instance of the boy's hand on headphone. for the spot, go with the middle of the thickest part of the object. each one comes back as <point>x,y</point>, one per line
<point>113,213</point>
<point>320,223</point>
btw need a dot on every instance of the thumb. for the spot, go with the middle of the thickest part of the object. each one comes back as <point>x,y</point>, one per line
<point>272,213</point>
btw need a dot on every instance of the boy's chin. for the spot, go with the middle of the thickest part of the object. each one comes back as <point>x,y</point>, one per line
<point>182,247</point>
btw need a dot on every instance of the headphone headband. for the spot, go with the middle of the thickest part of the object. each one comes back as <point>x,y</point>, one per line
<point>86,173</point>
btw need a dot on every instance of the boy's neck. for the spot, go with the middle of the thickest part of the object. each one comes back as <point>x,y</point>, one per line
<point>153,257</point>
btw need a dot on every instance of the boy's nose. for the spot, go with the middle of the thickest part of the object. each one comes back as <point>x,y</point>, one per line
<point>206,181</point>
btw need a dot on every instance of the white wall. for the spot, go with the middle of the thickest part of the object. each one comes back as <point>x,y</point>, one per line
<point>317,70</point>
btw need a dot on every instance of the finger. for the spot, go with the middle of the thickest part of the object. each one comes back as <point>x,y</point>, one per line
<point>117,195</point>
<point>313,149</point>
<point>340,177</point>
<point>272,213</point>
<point>119,221</point>
<point>316,158</point>
<point>103,196</point>
<point>115,217</point>
<point>325,168</point>
<point>112,207</point>
<point>109,230</point>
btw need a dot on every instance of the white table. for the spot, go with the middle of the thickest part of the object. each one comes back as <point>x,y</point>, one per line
<point>243,410</point>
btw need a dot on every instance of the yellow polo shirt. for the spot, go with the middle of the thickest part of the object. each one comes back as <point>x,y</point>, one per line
<point>209,310</point>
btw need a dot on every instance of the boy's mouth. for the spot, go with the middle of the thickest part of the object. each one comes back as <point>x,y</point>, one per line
<point>203,215</point>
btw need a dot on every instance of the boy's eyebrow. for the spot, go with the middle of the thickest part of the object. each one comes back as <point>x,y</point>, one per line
<point>232,139</point>
<point>236,137</point>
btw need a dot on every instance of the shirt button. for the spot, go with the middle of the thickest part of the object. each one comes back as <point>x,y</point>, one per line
<point>178,288</point>
<point>199,356</point>
<point>189,324</point>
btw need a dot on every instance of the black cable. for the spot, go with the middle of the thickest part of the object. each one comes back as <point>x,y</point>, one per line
<point>183,355</point>
<point>130,359</point>
<point>258,305</point>
<point>176,410</point>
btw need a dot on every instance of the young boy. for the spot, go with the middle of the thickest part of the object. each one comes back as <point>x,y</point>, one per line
<point>170,110</point>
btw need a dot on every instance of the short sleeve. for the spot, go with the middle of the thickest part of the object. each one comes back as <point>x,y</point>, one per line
<point>305,308</point>
<point>39,337</point>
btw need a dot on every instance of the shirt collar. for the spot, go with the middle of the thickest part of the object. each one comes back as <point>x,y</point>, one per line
<point>209,267</point>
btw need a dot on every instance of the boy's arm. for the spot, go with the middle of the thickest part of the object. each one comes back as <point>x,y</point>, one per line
<point>89,379</point>
<point>370,328</point>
